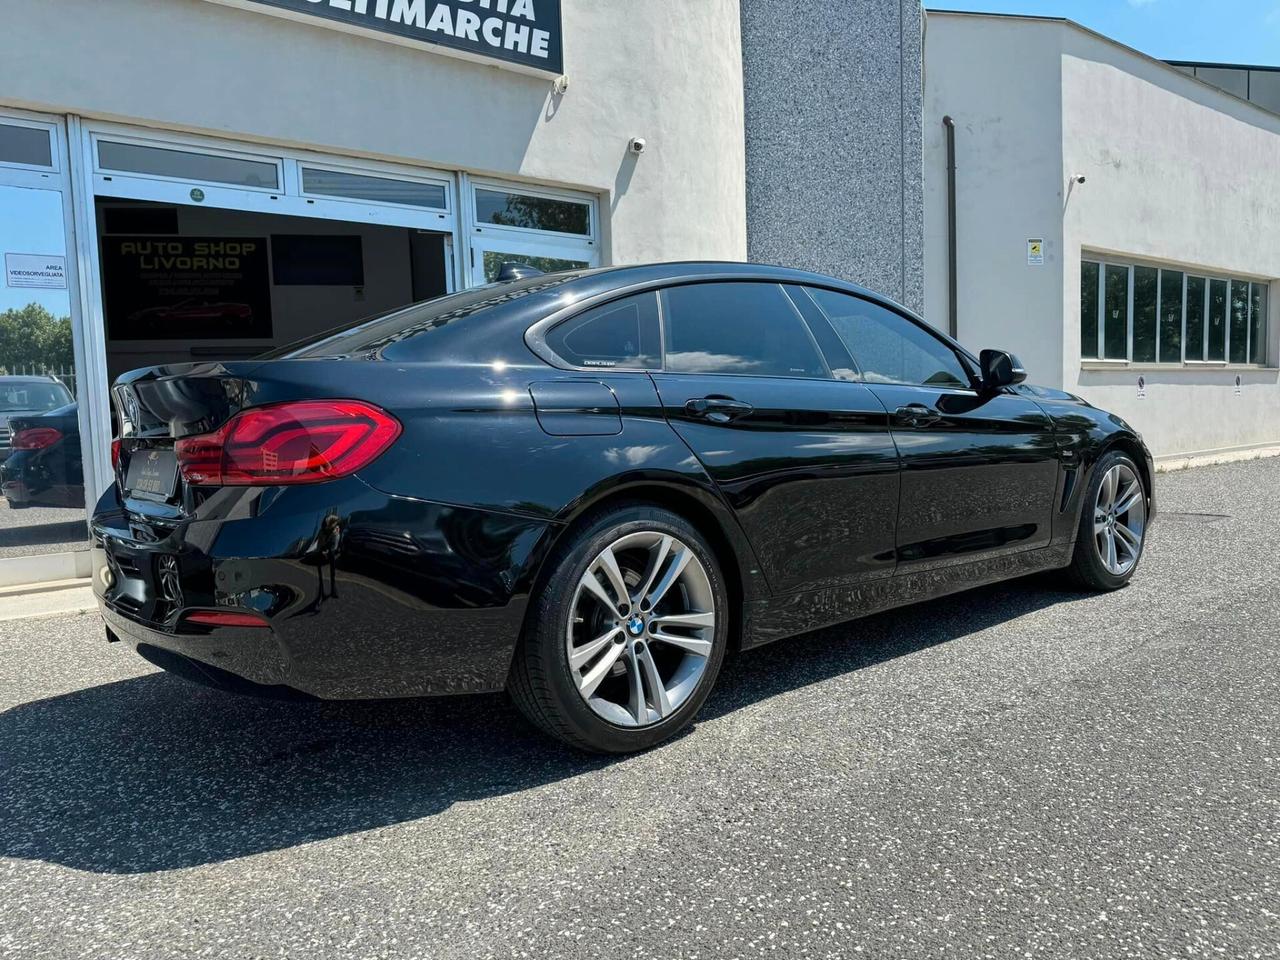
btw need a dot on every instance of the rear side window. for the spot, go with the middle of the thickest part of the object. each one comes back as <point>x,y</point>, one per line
<point>744,328</point>
<point>888,347</point>
<point>623,333</point>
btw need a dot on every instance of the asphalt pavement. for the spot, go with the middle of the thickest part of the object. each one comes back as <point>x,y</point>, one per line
<point>1020,771</point>
<point>33,530</point>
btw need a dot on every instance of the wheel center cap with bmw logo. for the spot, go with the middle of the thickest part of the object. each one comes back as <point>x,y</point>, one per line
<point>636,626</point>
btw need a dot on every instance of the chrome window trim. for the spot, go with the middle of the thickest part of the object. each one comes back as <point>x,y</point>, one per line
<point>535,333</point>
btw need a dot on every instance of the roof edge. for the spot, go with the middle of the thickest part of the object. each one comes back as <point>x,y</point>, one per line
<point>1171,66</point>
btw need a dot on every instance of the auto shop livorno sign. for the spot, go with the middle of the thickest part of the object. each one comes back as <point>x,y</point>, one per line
<point>521,33</point>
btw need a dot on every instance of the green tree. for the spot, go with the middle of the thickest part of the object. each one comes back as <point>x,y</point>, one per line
<point>31,336</point>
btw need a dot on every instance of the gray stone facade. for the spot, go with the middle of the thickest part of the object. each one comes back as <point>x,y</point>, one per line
<point>833,134</point>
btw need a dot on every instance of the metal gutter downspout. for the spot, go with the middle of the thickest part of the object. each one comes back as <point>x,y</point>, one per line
<point>953,315</point>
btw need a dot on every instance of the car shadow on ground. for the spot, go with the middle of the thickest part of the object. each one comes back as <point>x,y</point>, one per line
<point>154,773</point>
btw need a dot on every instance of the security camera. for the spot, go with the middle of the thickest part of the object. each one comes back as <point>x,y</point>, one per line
<point>637,145</point>
<point>1080,178</point>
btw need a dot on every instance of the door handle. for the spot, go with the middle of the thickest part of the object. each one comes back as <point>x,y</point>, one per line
<point>918,415</point>
<point>717,409</point>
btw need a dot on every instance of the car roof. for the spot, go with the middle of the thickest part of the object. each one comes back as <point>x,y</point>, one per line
<point>28,378</point>
<point>466,326</point>
<point>629,274</point>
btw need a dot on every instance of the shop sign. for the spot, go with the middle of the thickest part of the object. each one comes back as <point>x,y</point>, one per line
<point>35,270</point>
<point>525,34</point>
<point>186,288</point>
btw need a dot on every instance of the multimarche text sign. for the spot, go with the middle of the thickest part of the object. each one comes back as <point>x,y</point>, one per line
<point>522,33</point>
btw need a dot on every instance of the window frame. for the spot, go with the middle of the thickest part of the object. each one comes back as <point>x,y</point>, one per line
<point>1231,278</point>
<point>424,179</point>
<point>50,129</point>
<point>535,334</point>
<point>184,146</point>
<point>484,228</point>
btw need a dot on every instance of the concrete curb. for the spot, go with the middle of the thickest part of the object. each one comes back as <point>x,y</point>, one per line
<point>1212,459</point>
<point>56,599</point>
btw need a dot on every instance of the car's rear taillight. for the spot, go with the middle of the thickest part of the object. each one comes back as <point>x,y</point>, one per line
<point>308,441</point>
<point>35,438</point>
<point>115,454</point>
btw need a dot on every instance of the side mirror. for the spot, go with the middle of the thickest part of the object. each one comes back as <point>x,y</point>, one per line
<point>1001,369</point>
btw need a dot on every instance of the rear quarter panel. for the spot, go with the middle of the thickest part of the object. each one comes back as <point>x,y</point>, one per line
<point>472,437</point>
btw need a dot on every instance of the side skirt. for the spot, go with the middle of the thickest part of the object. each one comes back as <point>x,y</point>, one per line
<point>776,618</point>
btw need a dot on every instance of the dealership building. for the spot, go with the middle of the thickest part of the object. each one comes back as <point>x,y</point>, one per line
<point>1117,224</point>
<point>202,179</point>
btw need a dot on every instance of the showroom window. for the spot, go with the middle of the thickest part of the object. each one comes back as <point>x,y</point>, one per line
<point>25,144</point>
<point>1149,314</point>
<point>174,164</point>
<point>544,229</point>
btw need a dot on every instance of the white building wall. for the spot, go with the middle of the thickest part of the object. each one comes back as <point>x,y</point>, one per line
<point>998,79</point>
<point>666,70</point>
<point>1176,173</point>
<point>1180,173</point>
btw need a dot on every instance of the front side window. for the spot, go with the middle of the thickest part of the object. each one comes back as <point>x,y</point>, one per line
<point>619,334</point>
<point>888,347</point>
<point>742,328</point>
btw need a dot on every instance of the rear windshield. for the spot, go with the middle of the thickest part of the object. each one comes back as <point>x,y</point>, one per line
<point>373,334</point>
<point>20,396</point>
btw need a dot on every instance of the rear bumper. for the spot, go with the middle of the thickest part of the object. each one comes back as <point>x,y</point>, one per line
<point>245,664</point>
<point>373,597</point>
<point>18,493</point>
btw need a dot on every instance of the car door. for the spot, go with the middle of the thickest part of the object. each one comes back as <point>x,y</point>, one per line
<point>979,470</point>
<point>804,459</point>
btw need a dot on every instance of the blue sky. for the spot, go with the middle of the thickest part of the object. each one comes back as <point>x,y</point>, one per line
<point>1224,31</point>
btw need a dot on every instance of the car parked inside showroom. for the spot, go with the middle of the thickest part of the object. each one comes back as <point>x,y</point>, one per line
<point>586,488</point>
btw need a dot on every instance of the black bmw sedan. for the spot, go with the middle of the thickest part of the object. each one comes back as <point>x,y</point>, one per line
<point>585,488</point>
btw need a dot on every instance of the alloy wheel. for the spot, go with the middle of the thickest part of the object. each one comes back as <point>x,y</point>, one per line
<point>1120,519</point>
<point>642,629</point>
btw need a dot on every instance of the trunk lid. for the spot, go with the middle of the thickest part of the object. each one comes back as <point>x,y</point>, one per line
<point>159,405</point>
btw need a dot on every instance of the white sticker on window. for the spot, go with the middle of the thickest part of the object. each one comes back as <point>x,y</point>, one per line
<point>35,270</point>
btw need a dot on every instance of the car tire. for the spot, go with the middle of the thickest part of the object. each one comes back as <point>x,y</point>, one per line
<point>565,676</point>
<point>1111,520</point>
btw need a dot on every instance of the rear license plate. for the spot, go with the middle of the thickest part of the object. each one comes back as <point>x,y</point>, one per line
<point>153,474</point>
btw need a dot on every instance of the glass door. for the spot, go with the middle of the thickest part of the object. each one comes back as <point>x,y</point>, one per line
<point>42,510</point>
<point>544,229</point>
